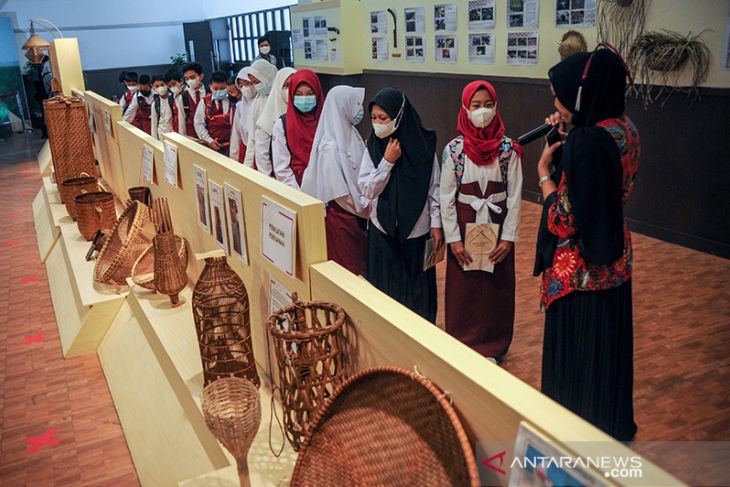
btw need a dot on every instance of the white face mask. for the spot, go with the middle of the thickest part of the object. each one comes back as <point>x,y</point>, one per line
<point>482,117</point>
<point>194,84</point>
<point>265,50</point>
<point>175,90</point>
<point>133,89</point>
<point>263,88</point>
<point>161,90</point>
<point>285,94</point>
<point>248,91</point>
<point>383,130</point>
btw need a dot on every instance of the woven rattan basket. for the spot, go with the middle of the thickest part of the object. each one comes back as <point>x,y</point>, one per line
<point>232,411</point>
<point>223,323</point>
<point>125,243</point>
<point>143,194</point>
<point>308,343</point>
<point>70,188</point>
<point>386,426</point>
<point>143,270</point>
<point>95,211</point>
<point>69,137</point>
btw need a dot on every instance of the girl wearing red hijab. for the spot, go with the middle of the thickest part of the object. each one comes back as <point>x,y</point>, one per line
<point>293,133</point>
<point>481,189</point>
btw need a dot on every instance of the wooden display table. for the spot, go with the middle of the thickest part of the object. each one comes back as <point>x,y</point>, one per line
<point>83,311</point>
<point>152,364</point>
<point>48,215</point>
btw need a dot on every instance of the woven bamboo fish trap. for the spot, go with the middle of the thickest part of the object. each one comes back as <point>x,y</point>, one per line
<point>143,270</point>
<point>95,211</point>
<point>232,411</point>
<point>71,188</point>
<point>223,323</point>
<point>124,245</point>
<point>308,344</point>
<point>170,276</point>
<point>69,137</point>
<point>386,426</point>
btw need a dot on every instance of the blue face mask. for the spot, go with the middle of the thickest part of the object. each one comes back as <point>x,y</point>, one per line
<point>220,95</point>
<point>358,116</point>
<point>305,104</point>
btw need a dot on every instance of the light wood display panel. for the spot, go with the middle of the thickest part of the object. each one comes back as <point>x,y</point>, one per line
<point>66,64</point>
<point>106,148</point>
<point>45,231</point>
<point>83,312</point>
<point>44,160</point>
<point>491,402</point>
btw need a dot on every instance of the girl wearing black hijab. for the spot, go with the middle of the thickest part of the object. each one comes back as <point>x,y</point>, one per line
<point>400,175</point>
<point>584,247</point>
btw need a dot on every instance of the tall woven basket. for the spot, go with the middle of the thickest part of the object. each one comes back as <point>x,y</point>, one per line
<point>223,323</point>
<point>232,411</point>
<point>386,426</point>
<point>70,188</point>
<point>308,343</point>
<point>126,242</point>
<point>143,270</point>
<point>69,137</point>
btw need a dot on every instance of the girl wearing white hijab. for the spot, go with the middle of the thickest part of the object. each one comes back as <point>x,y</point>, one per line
<point>332,176</point>
<point>261,74</point>
<point>275,107</point>
<point>239,135</point>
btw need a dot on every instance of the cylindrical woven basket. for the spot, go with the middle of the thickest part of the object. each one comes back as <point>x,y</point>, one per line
<point>170,276</point>
<point>70,188</point>
<point>386,426</point>
<point>69,137</point>
<point>95,211</point>
<point>143,194</point>
<point>232,411</point>
<point>143,270</point>
<point>223,323</point>
<point>308,344</point>
<point>125,243</point>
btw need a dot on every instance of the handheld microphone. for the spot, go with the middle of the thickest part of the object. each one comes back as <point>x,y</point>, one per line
<point>534,134</point>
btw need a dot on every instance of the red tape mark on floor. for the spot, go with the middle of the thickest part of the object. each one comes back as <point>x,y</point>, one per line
<point>37,338</point>
<point>10,243</point>
<point>14,214</point>
<point>46,439</point>
<point>29,279</point>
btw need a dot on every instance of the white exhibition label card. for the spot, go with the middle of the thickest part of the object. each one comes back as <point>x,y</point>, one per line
<point>236,224</point>
<point>278,235</point>
<point>218,215</point>
<point>148,157</point>
<point>171,163</point>
<point>201,197</point>
<point>279,296</point>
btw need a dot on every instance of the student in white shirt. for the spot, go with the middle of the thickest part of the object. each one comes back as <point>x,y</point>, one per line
<point>162,108</point>
<point>275,107</point>
<point>129,78</point>
<point>192,95</point>
<point>265,50</point>
<point>332,174</point>
<point>239,134</point>
<point>400,175</point>
<point>481,183</point>
<point>139,112</point>
<point>261,74</point>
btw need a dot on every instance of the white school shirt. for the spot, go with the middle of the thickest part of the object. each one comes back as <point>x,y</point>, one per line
<point>281,157</point>
<point>134,104</point>
<point>263,148</point>
<point>162,122</point>
<point>254,112</point>
<point>373,180</point>
<point>238,131</point>
<point>201,126</point>
<point>482,175</point>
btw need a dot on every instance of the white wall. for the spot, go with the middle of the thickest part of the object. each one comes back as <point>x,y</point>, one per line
<point>119,33</point>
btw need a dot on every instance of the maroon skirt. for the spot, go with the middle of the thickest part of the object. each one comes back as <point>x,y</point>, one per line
<point>347,239</point>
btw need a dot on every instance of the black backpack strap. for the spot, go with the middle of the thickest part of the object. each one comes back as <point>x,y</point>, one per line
<point>186,102</point>
<point>157,104</point>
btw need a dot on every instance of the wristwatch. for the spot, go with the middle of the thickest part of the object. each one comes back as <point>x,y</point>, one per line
<point>542,180</point>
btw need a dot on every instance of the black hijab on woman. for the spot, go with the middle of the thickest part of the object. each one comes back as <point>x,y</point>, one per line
<point>591,161</point>
<point>401,203</point>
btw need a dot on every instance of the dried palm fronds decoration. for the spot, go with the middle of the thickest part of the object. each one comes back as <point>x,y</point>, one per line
<point>661,61</point>
<point>620,22</point>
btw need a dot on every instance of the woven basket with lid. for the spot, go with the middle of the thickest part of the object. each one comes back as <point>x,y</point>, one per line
<point>386,426</point>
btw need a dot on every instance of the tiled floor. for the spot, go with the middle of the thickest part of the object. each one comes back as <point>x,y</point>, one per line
<point>39,390</point>
<point>682,333</point>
